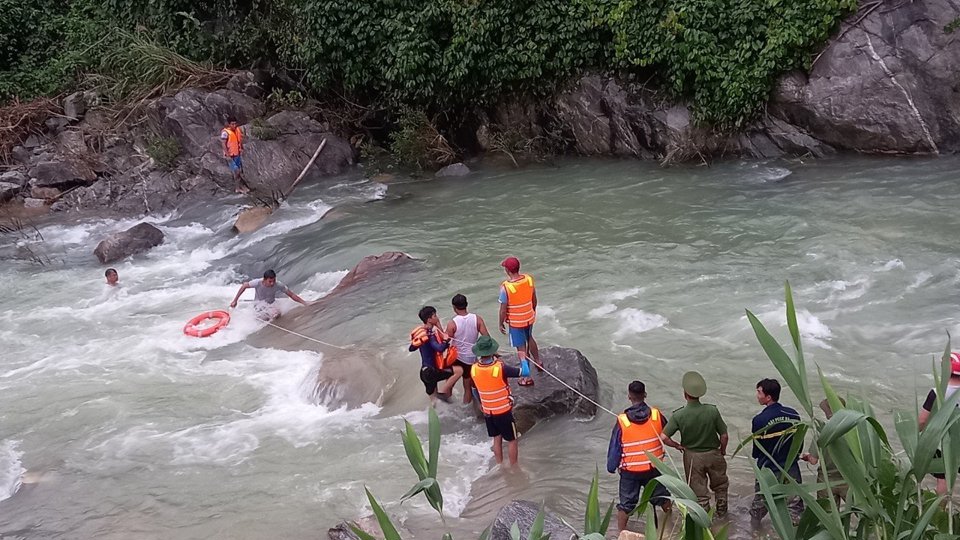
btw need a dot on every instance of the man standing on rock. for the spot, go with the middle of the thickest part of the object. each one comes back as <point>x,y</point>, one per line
<point>464,329</point>
<point>232,138</point>
<point>636,433</point>
<point>490,376</point>
<point>703,438</point>
<point>266,294</point>
<point>518,308</point>
<point>773,430</point>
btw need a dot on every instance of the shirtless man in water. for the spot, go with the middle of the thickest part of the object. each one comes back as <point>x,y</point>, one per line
<point>266,294</point>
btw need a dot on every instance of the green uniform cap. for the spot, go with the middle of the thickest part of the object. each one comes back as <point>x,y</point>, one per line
<point>485,346</point>
<point>693,384</point>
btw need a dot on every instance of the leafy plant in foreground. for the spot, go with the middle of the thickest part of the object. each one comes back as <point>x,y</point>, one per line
<point>884,499</point>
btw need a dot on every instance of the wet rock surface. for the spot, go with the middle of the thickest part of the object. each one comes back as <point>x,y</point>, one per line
<point>136,239</point>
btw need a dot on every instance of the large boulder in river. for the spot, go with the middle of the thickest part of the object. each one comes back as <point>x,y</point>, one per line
<point>548,397</point>
<point>523,513</point>
<point>136,239</point>
<point>887,83</point>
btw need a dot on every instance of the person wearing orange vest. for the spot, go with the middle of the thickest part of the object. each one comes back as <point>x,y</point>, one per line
<point>432,343</point>
<point>232,138</point>
<point>489,375</point>
<point>637,433</point>
<point>518,309</point>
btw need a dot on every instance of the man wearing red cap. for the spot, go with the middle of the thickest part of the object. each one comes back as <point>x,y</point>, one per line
<point>953,386</point>
<point>518,308</point>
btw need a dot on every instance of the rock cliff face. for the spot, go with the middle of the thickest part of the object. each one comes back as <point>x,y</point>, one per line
<point>889,82</point>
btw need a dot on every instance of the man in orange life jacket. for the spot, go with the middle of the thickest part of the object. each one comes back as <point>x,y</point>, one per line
<point>430,340</point>
<point>636,433</point>
<point>518,307</point>
<point>489,376</point>
<point>232,138</point>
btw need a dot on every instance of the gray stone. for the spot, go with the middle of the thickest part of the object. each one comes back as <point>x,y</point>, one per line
<point>246,83</point>
<point>33,141</point>
<point>61,174</point>
<point>885,84</point>
<point>547,397</point>
<point>136,239</point>
<point>8,191</point>
<point>22,155</point>
<point>195,117</point>
<point>74,105</point>
<point>30,202</point>
<point>55,124</point>
<point>71,142</point>
<point>523,513</point>
<point>44,193</point>
<point>14,177</point>
<point>456,169</point>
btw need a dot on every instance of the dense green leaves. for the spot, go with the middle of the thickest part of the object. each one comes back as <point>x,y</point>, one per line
<point>438,55</point>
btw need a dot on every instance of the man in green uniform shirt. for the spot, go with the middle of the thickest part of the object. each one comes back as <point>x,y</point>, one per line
<point>703,441</point>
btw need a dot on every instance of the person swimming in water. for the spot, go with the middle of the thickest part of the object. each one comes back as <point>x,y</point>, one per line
<point>266,294</point>
<point>113,279</point>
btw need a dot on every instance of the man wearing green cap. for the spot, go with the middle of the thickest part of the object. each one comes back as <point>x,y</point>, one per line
<point>489,376</point>
<point>703,440</point>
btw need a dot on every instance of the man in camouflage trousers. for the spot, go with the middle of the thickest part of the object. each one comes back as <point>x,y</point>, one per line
<point>703,440</point>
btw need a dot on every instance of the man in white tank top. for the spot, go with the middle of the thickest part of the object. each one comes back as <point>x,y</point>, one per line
<point>464,329</point>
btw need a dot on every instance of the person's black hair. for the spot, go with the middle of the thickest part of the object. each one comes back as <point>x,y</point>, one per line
<point>110,271</point>
<point>269,274</point>
<point>426,312</point>
<point>459,301</point>
<point>231,118</point>
<point>637,389</point>
<point>770,387</point>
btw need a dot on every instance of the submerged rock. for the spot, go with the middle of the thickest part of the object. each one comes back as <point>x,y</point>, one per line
<point>523,513</point>
<point>457,169</point>
<point>547,397</point>
<point>136,239</point>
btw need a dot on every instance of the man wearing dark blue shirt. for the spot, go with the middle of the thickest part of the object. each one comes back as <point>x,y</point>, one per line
<point>431,342</point>
<point>774,427</point>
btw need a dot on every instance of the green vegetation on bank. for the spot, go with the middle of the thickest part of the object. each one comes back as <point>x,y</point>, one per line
<point>433,55</point>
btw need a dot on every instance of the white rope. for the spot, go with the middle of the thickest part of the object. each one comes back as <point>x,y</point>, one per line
<point>575,391</point>
<point>306,337</point>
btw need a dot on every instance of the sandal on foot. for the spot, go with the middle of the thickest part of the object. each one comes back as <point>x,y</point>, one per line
<point>526,381</point>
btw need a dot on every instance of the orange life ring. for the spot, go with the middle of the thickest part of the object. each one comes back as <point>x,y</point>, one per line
<point>193,327</point>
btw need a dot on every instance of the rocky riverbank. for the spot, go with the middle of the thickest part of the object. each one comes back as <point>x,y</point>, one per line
<point>885,83</point>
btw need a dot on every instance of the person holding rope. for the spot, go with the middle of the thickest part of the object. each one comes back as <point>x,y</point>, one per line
<point>464,329</point>
<point>703,441</point>
<point>773,430</point>
<point>490,376</point>
<point>266,294</point>
<point>518,308</point>
<point>636,433</point>
<point>437,356</point>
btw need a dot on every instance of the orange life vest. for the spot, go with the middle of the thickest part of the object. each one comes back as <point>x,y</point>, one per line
<point>419,336</point>
<point>234,141</point>
<point>638,439</point>
<point>520,312</point>
<point>492,387</point>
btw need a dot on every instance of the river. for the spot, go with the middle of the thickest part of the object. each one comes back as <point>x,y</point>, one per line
<point>114,425</point>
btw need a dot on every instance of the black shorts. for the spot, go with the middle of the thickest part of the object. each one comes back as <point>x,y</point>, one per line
<point>501,425</point>
<point>632,483</point>
<point>431,376</point>
<point>939,476</point>
<point>466,368</point>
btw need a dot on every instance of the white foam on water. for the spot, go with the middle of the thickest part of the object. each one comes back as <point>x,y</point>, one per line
<point>548,315</point>
<point>637,321</point>
<point>813,330</point>
<point>602,311</point>
<point>624,294</point>
<point>11,469</point>
<point>321,283</point>
<point>895,264</point>
<point>848,290</point>
<point>919,280</point>
<point>773,174</point>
